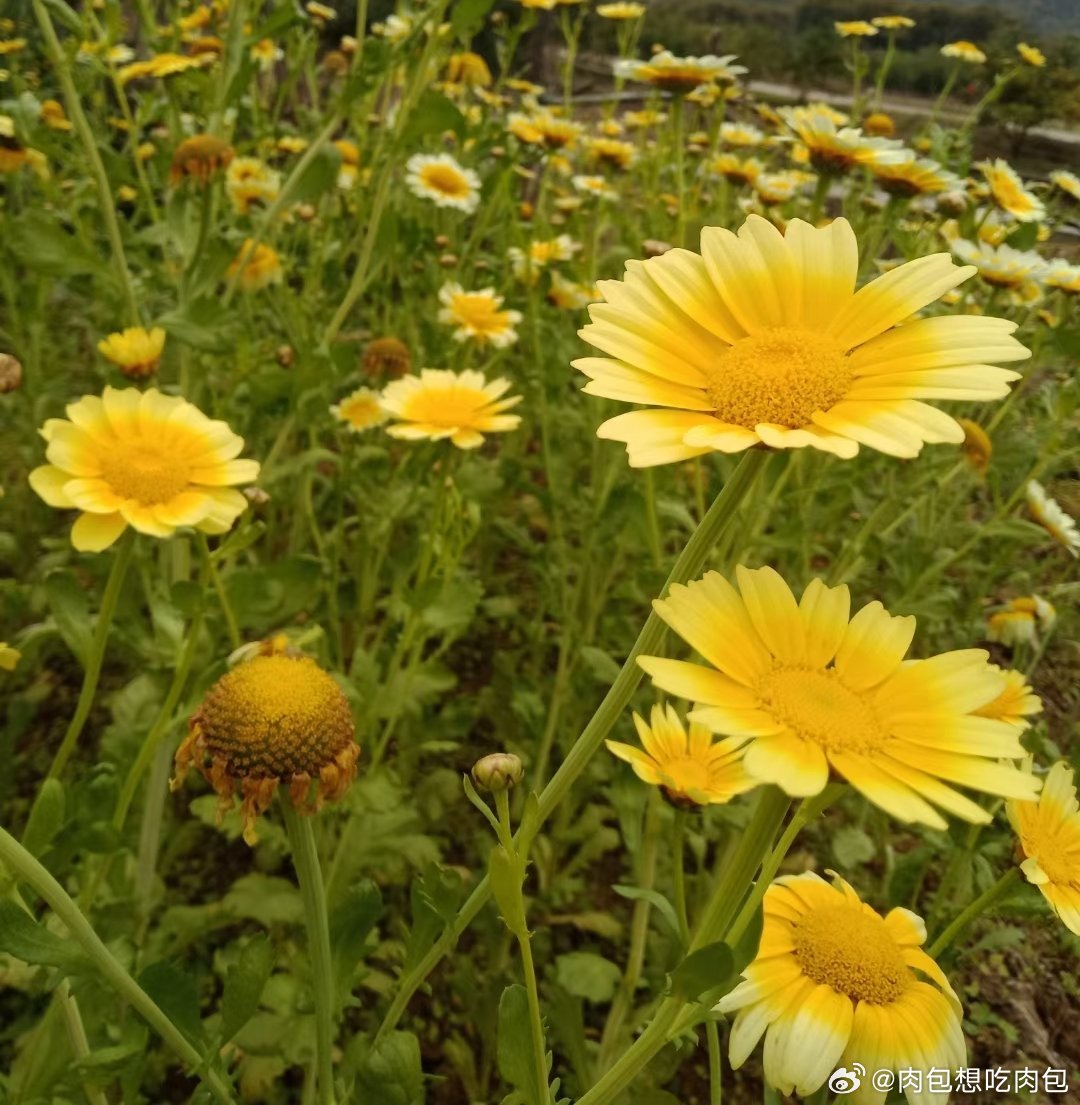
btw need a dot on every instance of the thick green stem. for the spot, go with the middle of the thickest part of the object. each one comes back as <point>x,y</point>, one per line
<point>678,857</point>
<point>29,870</point>
<point>306,861</point>
<point>94,660</point>
<point>716,1063</point>
<point>691,560</point>
<point>980,905</point>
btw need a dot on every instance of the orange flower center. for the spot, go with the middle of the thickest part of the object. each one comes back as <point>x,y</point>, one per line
<point>851,951</point>
<point>780,376</point>
<point>445,179</point>
<point>144,472</point>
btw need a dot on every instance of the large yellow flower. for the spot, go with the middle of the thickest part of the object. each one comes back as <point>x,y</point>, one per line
<point>440,404</point>
<point>833,984</point>
<point>811,690</point>
<point>763,339</point>
<point>141,459</point>
<point>692,768</point>
<point>1049,832</point>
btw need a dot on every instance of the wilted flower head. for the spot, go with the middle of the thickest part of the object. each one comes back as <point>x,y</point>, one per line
<point>11,373</point>
<point>277,718</point>
<point>199,158</point>
<point>387,357</point>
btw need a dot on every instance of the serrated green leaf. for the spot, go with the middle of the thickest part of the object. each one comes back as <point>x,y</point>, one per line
<point>70,608</point>
<point>705,969</point>
<point>515,1047</point>
<point>391,1073</point>
<point>588,976</point>
<point>350,923</point>
<point>245,981</point>
<point>26,939</point>
<point>174,991</point>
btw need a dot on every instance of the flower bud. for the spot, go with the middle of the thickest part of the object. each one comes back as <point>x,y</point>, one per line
<point>499,771</point>
<point>286,356</point>
<point>10,373</point>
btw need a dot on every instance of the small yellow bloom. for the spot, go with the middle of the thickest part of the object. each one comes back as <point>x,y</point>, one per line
<point>1031,54</point>
<point>145,150</point>
<point>360,410</point>
<point>855,28</point>
<point>143,459</point>
<point>320,13</point>
<point>275,719</point>
<point>541,254</point>
<point>737,169</point>
<point>469,69</point>
<point>163,65</point>
<point>741,134</point>
<point>1021,621</point>
<point>9,656</point>
<point>1049,832</point>
<point>266,53</point>
<point>477,316</point>
<point>977,447</point>
<point>893,22</point>
<point>879,125</point>
<point>622,10</point>
<point>440,179</point>
<point>612,151</point>
<point>1009,193</point>
<point>249,183</point>
<point>52,115</point>
<point>440,404</point>
<point>135,351</point>
<point>12,46</point>
<point>691,768</point>
<point>1052,518</point>
<point>291,143</point>
<point>1016,703</point>
<point>835,984</point>
<point>963,50</point>
<point>679,75</point>
<point>1067,182</point>
<point>261,266</point>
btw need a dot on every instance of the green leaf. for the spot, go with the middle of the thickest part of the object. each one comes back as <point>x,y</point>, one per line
<point>852,847</point>
<point>506,874</point>
<point>391,1073</point>
<point>587,976</point>
<point>515,1046</point>
<point>46,817</point>
<point>468,17</point>
<point>245,981</point>
<point>25,939</point>
<point>70,609</point>
<point>434,898</point>
<point>708,967</point>
<point>600,664</point>
<point>319,177</point>
<point>433,114</point>
<point>350,923</point>
<point>175,993</point>
<point>654,898</point>
<point>63,12</point>
<point>205,324</point>
<point>1024,236</point>
<point>41,243</point>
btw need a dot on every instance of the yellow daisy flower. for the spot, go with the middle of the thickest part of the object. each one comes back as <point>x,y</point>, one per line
<point>163,65</point>
<point>811,690</point>
<point>439,178</point>
<point>741,134</point>
<point>135,351</point>
<point>1067,182</point>
<point>249,183</point>
<point>1061,275</point>
<point>1031,54</point>
<point>775,188</point>
<point>833,984</point>
<point>963,50</point>
<point>596,186</point>
<point>570,295</point>
<point>879,124</point>
<point>678,75</point>
<point>440,404</point>
<point>9,657</point>
<point>763,339</point>
<point>469,69</point>
<point>913,177</point>
<point>1009,192</point>
<point>1021,620</point>
<point>541,254</point>
<point>143,459</point>
<point>836,148</point>
<point>893,22</point>
<point>1016,703</point>
<point>855,28</point>
<point>11,46</point>
<point>53,116</point>
<point>360,410</point>
<point>737,169</point>
<point>612,151</point>
<point>1049,832</point>
<point>622,11</point>
<point>261,266</point>
<point>1052,518</point>
<point>1002,265</point>
<point>266,53</point>
<point>477,316</point>
<point>691,768</point>
<point>276,718</point>
<point>542,128</point>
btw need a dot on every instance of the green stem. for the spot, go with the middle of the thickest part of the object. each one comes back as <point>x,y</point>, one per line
<point>945,90</point>
<point>883,71</point>
<point>29,870</point>
<point>107,209</point>
<point>754,844</point>
<point>92,671</point>
<point>821,192</point>
<point>231,626</point>
<point>76,1034</point>
<point>677,120</point>
<point>716,1063</point>
<point>983,902</point>
<point>678,855</point>
<point>306,861</point>
<point>691,560</point>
